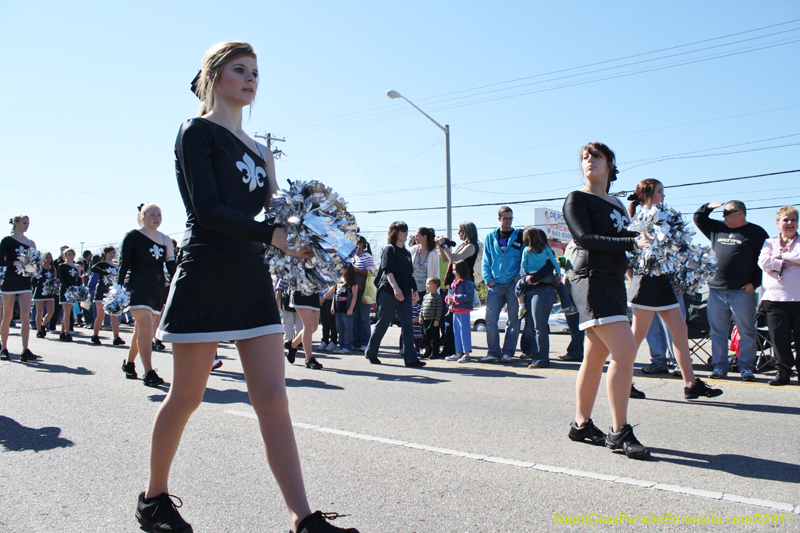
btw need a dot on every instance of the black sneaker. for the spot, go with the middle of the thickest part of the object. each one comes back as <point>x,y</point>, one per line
<point>655,368</point>
<point>40,333</point>
<point>625,441</point>
<point>151,379</point>
<point>65,337</point>
<point>290,352</point>
<point>636,393</point>
<point>4,355</point>
<point>374,360</point>
<point>27,355</point>
<point>158,345</point>
<point>414,364</point>
<point>129,369</point>
<point>570,358</point>
<point>318,523</point>
<point>700,389</point>
<point>118,341</point>
<point>161,515</point>
<point>313,364</point>
<point>96,340</point>
<point>588,431</point>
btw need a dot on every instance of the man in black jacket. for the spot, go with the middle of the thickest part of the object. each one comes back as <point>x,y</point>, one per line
<point>737,244</point>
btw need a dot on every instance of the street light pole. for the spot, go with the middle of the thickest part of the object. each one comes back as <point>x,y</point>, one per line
<point>446,130</point>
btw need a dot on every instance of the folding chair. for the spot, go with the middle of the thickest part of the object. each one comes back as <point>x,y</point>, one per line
<point>765,359</point>
<point>697,325</point>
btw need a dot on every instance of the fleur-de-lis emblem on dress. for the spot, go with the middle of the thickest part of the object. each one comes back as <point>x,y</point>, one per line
<point>156,251</point>
<point>252,173</point>
<point>617,218</point>
<point>73,272</point>
<point>20,252</point>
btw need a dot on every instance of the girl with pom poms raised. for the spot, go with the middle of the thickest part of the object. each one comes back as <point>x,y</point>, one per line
<point>14,249</point>
<point>222,289</point>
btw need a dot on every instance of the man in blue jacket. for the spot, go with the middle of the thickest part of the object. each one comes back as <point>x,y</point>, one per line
<point>502,255</point>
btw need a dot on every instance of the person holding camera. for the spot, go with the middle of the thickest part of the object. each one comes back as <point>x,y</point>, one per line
<point>467,251</point>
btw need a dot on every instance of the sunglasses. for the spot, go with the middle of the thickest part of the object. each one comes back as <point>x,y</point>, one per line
<point>725,212</point>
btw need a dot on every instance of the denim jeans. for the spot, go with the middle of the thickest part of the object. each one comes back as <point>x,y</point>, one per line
<point>361,324</point>
<point>344,328</point>
<point>462,332</point>
<point>721,304</point>
<point>659,337</point>
<point>387,305</point>
<point>575,348</point>
<point>498,296</point>
<point>539,302</point>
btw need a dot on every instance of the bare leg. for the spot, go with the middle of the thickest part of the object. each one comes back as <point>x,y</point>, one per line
<point>641,324</point>
<point>115,325</point>
<point>25,317</point>
<point>310,319</point>
<point>100,314</point>
<point>618,339</point>
<point>50,305</point>
<point>264,371</point>
<point>142,341</point>
<point>39,313</point>
<point>66,312</point>
<point>589,375</point>
<point>191,366</point>
<point>8,313</point>
<point>680,343</point>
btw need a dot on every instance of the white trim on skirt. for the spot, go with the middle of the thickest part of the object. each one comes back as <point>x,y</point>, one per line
<point>143,307</point>
<point>3,293</point>
<point>306,307</point>
<point>603,320</point>
<point>650,308</point>
<point>218,336</point>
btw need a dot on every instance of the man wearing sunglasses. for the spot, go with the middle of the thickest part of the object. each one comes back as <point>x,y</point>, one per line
<point>737,243</point>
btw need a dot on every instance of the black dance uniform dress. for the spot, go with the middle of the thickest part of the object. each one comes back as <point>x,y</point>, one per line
<point>222,289</point>
<point>298,300</point>
<point>141,270</point>
<point>10,250</point>
<point>68,276</point>
<point>598,283</point>
<point>106,276</point>
<point>38,284</point>
<point>652,293</point>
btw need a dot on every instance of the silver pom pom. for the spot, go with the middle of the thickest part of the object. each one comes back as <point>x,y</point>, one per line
<point>76,294</point>
<point>672,251</point>
<point>51,285</point>
<point>117,300</point>
<point>316,217</point>
<point>31,260</point>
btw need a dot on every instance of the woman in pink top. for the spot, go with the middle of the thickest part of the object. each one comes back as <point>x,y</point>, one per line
<point>780,261</point>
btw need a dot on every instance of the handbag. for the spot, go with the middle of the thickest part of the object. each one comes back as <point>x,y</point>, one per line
<point>370,290</point>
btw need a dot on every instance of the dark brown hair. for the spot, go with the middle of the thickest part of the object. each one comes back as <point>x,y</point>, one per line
<point>396,228</point>
<point>535,239</point>
<point>462,270</point>
<point>429,235</point>
<point>349,276</point>
<point>644,190</point>
<point>503,209</point>
<point>597,147</point>
<point>436,281</point>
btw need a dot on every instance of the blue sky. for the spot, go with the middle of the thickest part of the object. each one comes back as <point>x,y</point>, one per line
<point>95,92</point>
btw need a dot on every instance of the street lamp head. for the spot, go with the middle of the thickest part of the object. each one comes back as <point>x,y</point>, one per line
<point>393,94</point>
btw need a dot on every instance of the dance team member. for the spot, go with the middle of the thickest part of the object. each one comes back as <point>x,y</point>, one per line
<point>70,274</point>
<point>145,251</point>
<point>106,272</point>
<point>16,286</point>
<point>307,307</point>
<point>44,302</point>
<point>225,180</point>
<point>650,294</point>
<point>597,223</point>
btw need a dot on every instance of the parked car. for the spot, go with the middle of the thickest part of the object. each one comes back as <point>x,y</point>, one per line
<point>557,320</point>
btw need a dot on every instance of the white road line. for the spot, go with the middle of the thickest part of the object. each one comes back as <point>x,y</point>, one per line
<point>714,495</point>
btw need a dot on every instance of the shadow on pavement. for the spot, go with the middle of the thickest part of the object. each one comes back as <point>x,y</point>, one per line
<point>16,437</point>
<point>491,371</point>
<point>391,377</point>
<point>757,408</point>
<point>738,465</point>
<point>60,369</point>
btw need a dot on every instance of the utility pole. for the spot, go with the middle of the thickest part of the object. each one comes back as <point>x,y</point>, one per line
<point>269,138</point>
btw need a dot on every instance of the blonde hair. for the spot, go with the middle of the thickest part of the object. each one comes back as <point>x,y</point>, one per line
<point>785,210</point>
<point>14,221</point>
<point>215,58</point>
<point>143,211</point>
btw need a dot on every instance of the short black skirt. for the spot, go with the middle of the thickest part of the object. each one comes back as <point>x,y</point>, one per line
<point>600,298</point>
<point>219,296</point>
<point>13,283</point>
<point>298,300</point>
<point>652,293</point>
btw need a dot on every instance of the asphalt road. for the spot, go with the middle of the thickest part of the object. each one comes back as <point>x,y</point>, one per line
<point>447,448</point>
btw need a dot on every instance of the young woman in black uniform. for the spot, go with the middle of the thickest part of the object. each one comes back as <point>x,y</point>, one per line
<point>145,251</point>
<point>307,308</point>
<point>70,275</point>
<point>223,290</point>
<point>597,223</point>
<point>107,272</point>
<point>16,286</point>
<point>45,303</point>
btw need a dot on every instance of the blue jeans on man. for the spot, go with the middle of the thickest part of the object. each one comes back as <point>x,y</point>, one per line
<point>498,296</point>
<point>539,301</point>
<point>722,303</point>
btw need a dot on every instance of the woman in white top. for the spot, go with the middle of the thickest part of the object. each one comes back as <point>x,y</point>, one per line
<point>425,258</point>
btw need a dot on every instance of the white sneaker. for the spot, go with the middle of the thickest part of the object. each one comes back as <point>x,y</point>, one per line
<point>340,349</point>
<point>465,359</point>
<point>454,357</point>
<point>331,346</point>
<point>506,359</point>
<point>363,348</point>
